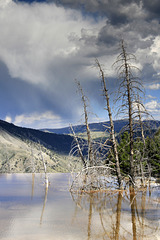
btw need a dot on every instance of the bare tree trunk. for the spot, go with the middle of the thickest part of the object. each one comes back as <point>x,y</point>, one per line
<point>141,124</point>
<point>115,151</point>
<point>130,110</point>
<point>144,142</point>
<point>45,168</point>
<point>79,148</point>
<point>89,140</point>
<point>32,160</point>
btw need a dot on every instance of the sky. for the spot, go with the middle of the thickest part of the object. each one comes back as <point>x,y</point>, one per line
<point>46,45</point>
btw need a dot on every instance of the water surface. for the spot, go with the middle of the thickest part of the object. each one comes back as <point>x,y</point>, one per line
<point>28,211</point>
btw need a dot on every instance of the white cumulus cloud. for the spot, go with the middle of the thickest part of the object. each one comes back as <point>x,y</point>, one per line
<point>153,107</point>
<point>39,120</point>
<point>151,97</point>
<point>154,86</point>
<point>8,119</point>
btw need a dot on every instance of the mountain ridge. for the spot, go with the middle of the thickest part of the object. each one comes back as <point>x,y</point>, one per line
<point>53,141</point>
<point>101,126</point>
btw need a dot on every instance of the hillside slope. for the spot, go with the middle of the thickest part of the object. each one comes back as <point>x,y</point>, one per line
<point>20,149</point>
<point>57,142</point>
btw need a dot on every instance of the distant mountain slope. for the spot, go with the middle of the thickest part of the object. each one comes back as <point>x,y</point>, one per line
<point>102,126</point>
<point>21,148</point>
<point>57,142</point>
<point>17,155</point>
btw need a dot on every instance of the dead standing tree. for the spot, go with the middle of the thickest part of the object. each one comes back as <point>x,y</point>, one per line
<point>89,139</point>
<point>129,88</point>
<point>112,132</point>
<point>141,110</point>
<point>44,166</point>
<point>78,147</point>
<point>94,173</point>
<point>88,162</point>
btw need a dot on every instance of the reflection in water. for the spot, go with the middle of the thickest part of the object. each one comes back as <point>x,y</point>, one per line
<point>100,208</point>
<point>44,204</point>
<point>102,215</point>
<point>133,212</point>
<point>122,215</point>
<point>90,217</point>
<point>45,197</point>
<point>119,204</point>
<point>33,176</point>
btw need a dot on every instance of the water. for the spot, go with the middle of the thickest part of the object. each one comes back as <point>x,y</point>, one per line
<point>29,212</point>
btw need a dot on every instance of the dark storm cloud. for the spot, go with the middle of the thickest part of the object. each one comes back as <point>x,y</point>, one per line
<point>153,7</point>
<point>139,34</point>
<point>149,74</point>
<point>126,19</point>
<point>113,10</point>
